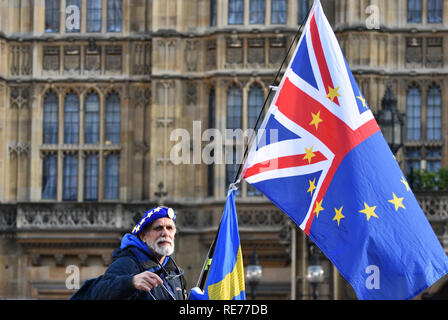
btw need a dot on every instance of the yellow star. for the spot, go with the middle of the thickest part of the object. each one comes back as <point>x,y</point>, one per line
<point>309,154</point>
<point>333,93</point>
<point>406,184</point>
<point>369,211</point>
<point>318,208</point>
<point>398,202</point>
<point>157,209</point>
<point>316,120</point>
<point>312,186</point>
<point>360,97</point>
<point>338,215</point>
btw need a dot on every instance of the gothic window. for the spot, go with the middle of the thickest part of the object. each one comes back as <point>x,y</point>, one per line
<point>414,11</point>
<point>52,15</point>
<point>232,165</point>
<point>73,17</point>
<point>94,11</point>
<point>70,177</point>
<point>413,114</point>
<point>234,107</point>
<point>71,118</point>
<point>92,119</point>
<point>112,178</point>
<point>278,11</point>
<point>213,13</point>
<point>49,177</point>
<point>91,177</point>
<point>255,103</point>
<point>434,113</point>
<point>412,160</point>
<point>257,11</point>
<point>113,115</point>
<point>236,12</point>
<point>433,159</point>
<point>51,118</point>
<point>114,15</point>
<point>435,11</point>
<point>302,10</point>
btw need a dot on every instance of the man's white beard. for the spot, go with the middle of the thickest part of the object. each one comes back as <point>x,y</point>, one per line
<point>165,250</point>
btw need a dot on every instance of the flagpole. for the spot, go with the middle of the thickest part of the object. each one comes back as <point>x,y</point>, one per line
<point>233,186</point>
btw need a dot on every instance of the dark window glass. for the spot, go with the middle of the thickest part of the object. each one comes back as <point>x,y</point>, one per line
<point>113,116</point>
<point>73,17</point>
<point>70,178</point>
<point>112,177</point>
<point>434,114</point>
<point>49,177</point>
<point>91,178</point>
<point>52,15</point>
<point>413,114</point>
<point>414,11</point>
<point>435,11</point>
<point>234,107</point>
<point>256,11</point>
<point>213,13</point>
<point>278,11</point>
<point>94,11</point>
<point>71,118</point>
<point>236,12</point>
<point>303,6</point>
<point>114,15</point>
<point>51,112</point>
<point>92,119</point>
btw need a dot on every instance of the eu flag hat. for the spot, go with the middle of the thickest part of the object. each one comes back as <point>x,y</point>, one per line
<point>151,216</point>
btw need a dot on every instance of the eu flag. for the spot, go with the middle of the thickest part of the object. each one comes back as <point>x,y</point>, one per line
<point>226,275</point>
<point>321,158</point>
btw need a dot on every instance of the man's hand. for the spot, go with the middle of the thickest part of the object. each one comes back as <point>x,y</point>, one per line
<point>146,281</point>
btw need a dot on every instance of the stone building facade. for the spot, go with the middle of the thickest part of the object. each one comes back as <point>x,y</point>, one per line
<point>88,108</point>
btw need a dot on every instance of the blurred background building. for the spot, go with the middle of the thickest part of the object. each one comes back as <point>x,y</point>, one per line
<point>88,105</point>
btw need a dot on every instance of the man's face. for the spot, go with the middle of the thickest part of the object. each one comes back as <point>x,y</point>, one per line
<point>160,236</point>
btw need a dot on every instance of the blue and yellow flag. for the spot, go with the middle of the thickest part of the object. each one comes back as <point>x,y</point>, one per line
<point>226,276</point>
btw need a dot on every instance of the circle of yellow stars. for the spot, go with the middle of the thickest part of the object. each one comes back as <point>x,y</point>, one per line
<point>368,210</point>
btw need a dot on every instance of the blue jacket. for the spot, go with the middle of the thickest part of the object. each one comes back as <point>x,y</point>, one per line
<point>134,257</point>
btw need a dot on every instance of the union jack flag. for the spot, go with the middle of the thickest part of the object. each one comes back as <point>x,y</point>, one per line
<point>319,155</point>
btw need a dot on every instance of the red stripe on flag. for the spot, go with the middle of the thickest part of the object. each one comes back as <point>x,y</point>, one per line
<point>332,131</point>
<point>282,163</point>
<point>320,56</point>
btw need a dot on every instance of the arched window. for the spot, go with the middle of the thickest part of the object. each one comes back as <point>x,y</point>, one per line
<point>70,178</point>
<point>414,11</point>
<point>234,107</point>
<point>413,114</point>
<point>114,15</point>
<point>257,11</point>
<point>435,11</point>
<point>113,115</point>
<point>255,103</point>
<point>236,12</point>
<point>94,10</point>
<point>302,10</point>
<point>51,115</point>
<point>49,176</point>
<point>434,113</point>
<point>91,177</point>
<point>71,118</point>
<point>278,11</point>
<point>213,13</point>
<point>52,15</point>
<point>112,177</point>
<point>92,119</point>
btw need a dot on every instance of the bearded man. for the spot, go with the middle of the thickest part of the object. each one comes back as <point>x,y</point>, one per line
<point>142,268</point>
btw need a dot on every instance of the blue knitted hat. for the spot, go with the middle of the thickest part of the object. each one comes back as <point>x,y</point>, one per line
<point>151,216</point>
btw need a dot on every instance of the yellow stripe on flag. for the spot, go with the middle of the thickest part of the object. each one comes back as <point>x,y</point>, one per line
<point>233,283</point>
